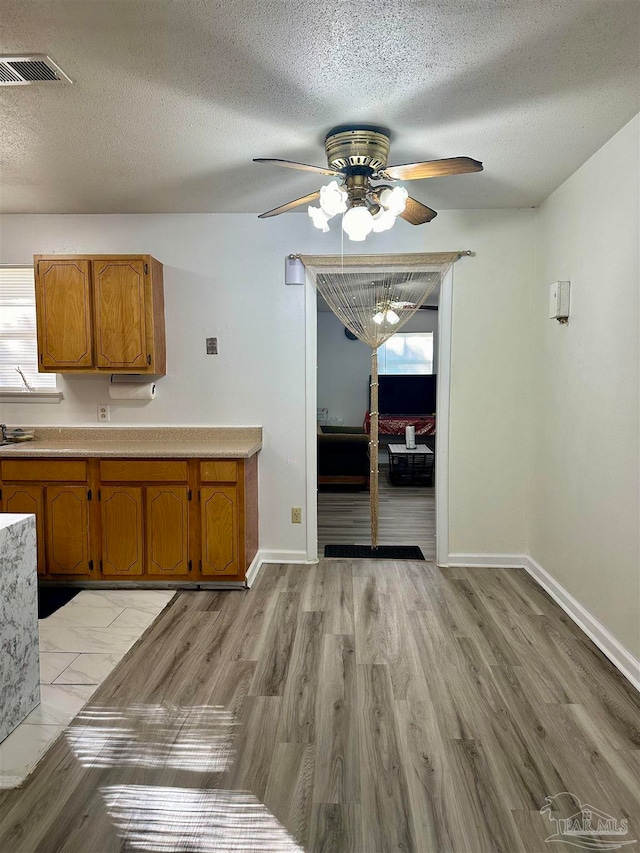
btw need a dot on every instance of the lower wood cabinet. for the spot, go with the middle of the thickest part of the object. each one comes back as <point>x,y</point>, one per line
<point>219,525</point>
<point>167,523</point>
<point>63,546</point>
<point>135,519</point>
<point>67,529</point>
<point>122,530</point>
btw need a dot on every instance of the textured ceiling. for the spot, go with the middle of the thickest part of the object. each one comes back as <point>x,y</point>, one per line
<point>173,98</point>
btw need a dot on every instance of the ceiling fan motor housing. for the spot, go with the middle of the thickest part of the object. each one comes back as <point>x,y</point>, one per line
<point>357,150</point>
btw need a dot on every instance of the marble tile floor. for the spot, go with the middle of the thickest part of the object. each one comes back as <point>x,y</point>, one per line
<point>80,644</point>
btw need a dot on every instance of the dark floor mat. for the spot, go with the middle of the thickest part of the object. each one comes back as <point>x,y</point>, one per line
<point>382,552</point>
<point>52,598</point>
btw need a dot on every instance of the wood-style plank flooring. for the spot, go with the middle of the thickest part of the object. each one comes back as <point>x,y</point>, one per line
<point>347,706</point>
<point>407,516</point>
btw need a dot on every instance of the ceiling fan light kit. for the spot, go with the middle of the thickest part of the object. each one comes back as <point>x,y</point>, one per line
<point>357,223</point>
<point>333,199</point>
<point>319,218</point>
<point>357,158</point>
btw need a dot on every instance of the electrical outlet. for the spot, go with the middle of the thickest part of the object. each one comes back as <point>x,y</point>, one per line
<point>296,515</point>
<point>104,415</point>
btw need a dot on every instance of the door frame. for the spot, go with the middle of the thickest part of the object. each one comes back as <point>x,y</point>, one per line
<point>445,324</point>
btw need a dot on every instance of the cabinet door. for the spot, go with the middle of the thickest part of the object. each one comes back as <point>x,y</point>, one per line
<point>28,499</point>
<point>219,522</point>
<point>67,530</point>
<point>122,538</point>
<point>63,310</point>
<point>119,304</point>
<point>167,530</point>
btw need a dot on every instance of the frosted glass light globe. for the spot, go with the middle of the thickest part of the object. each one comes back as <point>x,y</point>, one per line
<point>392,317</point>
<point>357,223</point>
<point>378,318</point>
<point>319,218</point>
<point>383,220</point>
<point>394,199</point>
<point>333,199</point>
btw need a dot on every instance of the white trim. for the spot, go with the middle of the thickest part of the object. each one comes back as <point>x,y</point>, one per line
<point>297,557</point>
<point>311,428</point>
<point>620,657</point>
<point>445,323</point>
<point>286,557</point>
<point>254,569</point>
<point>488,561</point>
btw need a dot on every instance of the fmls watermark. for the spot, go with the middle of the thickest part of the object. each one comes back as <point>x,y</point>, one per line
<point>584,826</point>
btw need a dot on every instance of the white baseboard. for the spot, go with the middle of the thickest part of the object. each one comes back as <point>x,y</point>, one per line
<point>254,568</point>
<point>487,561</point>
<point>620,657</point>
<point>286,557</point>
<point>298,557</point>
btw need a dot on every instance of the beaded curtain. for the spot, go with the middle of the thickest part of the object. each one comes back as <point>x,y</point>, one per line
<point>374,296</point>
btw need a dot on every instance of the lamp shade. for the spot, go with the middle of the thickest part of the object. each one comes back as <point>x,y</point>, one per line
<point>383,220</point>
<point>394,199</point>
<point>319,218</point>
<point>357,223</point>
<point>333,199</point>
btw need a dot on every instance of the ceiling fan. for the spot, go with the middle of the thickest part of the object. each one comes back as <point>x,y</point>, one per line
<point>357,159</point>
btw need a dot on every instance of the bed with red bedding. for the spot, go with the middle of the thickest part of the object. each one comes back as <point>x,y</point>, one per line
<point>396,424</point>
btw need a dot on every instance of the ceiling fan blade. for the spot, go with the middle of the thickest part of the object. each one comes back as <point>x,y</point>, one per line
<point>306,199</point>
<point>417,213</point>
<point>431,169</point>
<point>291,164</point>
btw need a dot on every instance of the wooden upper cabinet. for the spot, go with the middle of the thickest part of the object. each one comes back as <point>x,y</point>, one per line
<point>63,300</point>
<point>119,310</point>
<point>100,313</point>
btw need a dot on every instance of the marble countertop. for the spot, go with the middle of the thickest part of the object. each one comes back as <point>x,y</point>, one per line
<point>7,519</point>
<point>158,442</point>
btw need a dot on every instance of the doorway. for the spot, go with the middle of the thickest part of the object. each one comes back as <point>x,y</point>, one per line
<point>411,513</point>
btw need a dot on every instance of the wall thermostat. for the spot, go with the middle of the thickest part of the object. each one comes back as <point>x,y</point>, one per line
<point>559,301</point>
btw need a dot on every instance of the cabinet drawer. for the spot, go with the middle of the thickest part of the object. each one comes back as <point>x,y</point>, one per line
<point>151,471</point>
<point>45,470</point>
<point>219,471</point>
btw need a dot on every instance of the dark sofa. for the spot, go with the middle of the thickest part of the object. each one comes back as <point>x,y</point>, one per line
<point>343,456</point>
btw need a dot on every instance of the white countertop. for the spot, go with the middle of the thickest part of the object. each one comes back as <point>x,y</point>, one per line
<point>7,519</point>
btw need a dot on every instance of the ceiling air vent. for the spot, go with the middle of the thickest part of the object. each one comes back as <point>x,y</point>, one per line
<point>38,68</point>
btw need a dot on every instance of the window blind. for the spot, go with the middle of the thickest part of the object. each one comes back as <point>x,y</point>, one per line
<point>18,343</point>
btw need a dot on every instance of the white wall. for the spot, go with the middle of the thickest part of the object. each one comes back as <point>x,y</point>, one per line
<point>344,366</point>
<point>224,276</point>
<point>584,505</point>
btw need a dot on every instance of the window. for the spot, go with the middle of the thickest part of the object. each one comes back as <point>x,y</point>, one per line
<point>18,344</point>
<point>406,353</point>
